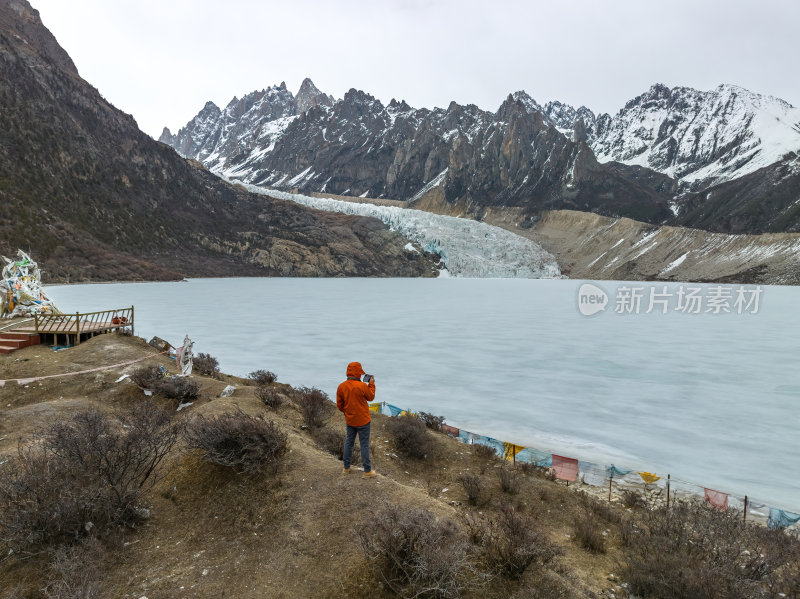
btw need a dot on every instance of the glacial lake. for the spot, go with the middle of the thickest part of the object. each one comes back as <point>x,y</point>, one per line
<point>710,398</point>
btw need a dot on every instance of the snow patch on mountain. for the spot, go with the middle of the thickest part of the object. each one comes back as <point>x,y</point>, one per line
<point>468,248</point>
<point>700,138</point>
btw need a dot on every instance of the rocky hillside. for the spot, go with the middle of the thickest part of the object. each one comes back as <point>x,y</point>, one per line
<point>588,246</point>
<point>92,197</point>
<point>658,160</point>
<point>767,200</point>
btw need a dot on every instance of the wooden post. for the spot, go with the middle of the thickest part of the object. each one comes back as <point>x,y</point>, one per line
<point>611,478</point>
<point>668,477</point>
<point>132,321</point>
<point>744,516</point>
<point>77,328</point>
<point>36,322</point>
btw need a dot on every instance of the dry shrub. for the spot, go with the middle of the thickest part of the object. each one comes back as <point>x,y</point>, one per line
<point>627,531</point>
<point>530,469</point>
<point>606,512</point>
<point>511,542</point>
<point>263,377</point>
<point>588,534</point>
<point>205,364</point>
<point>73,572</point>
<point>473,487</point>
<point>315,406</point>
<point>787,581</point>
<point>600,508</point>
<point>147,377</point>
<point>173,387</point>
<point>527,468</point>
<point>431,421</point>
<point>632,498</point>
<point>509,480</point>
<point>433,486</point>
<point>178,387</point>
<point>247,444</point>
<point>484,451</point>
<point>83,476</point>
<point>411,437</point>
<point>691,550</point>
<point>415,554</point>
<point>549,584</point>
<point>269,395</point>
<point>544,493</point>
<point>333,442</point>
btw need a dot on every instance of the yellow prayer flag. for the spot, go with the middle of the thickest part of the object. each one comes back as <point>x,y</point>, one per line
<point>649,478</point>
<point>375,407</point>
<point>510,450</point>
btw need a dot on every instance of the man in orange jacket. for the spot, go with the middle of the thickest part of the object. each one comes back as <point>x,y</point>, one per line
<point>352,397</point>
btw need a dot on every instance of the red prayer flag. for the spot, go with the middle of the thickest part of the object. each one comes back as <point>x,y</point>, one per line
<point>565,468</point>
<point>716,498</point>
<point>450,430</point>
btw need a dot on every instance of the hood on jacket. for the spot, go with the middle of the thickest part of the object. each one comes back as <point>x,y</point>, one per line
<point>354,369</point>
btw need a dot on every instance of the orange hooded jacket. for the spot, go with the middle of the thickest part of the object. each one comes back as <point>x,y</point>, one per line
<point>352,396</point>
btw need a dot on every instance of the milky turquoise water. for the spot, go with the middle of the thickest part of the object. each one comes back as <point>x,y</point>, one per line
<point>709,398</point>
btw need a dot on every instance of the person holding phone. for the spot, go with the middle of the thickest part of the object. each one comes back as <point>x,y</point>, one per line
<point>352,398</point>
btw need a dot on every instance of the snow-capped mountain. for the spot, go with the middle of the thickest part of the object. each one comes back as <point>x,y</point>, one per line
<point>515,157</point>
<point>699,138</point>
<point>659,159</point>
<point>253,122</point>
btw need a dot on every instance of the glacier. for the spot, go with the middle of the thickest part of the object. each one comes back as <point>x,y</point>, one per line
<point>468,248</point>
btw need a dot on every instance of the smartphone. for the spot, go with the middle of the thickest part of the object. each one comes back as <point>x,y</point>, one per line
<point>367,378</point>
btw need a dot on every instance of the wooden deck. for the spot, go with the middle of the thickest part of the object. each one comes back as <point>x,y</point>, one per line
<point>72,327</point>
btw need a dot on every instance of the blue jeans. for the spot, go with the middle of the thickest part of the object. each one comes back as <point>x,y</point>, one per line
<point>363,438</point>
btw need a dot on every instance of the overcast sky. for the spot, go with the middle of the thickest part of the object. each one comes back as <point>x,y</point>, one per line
<point>161,60</point>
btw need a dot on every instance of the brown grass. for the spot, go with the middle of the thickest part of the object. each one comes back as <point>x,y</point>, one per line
<point>218,534</point>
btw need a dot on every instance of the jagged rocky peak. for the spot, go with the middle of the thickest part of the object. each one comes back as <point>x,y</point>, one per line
<point>566,117</point>
<point>210,109</point>
<point>309,96</point>
<point>401,106</point>
<point>526,100</point>
<point>518,103</point>
<point>657,94</point>
<point>166,137</point>
<point>357,104</point>
<point>356,96</point>
<point>272,102</point>
<point>580,132</point>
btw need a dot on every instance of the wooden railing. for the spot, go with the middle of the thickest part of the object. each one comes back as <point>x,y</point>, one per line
<point>84,323</point>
